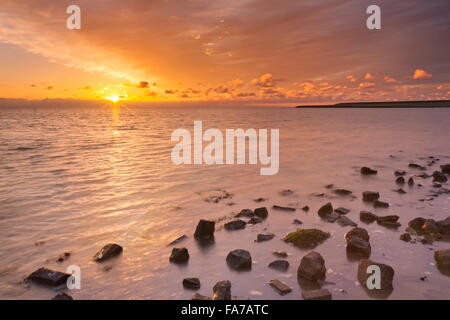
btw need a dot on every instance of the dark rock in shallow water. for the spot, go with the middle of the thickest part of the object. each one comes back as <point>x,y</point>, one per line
<point>312,267</point>
<point>281,254</point>
<point>191,283</point>
<point>260,200</point>
<point>264,237</point>
<point>239,260</point>
<point>439,177</point>
<point>399,173</point>
<point>416,224</point>
<point>367,216</point>
<point>177,240</point>
<point>416,166</point>
<point>392,218</point>
<point>235,225</point>
<point>445,168</point>
<point>109,251</point>
<point>387,275</point>
<point>368,171</point>
<point>179,255</point>
<point>342,192</point>
<point>281,265</point>
<point>306,238</point>
<point>276,207</point>
<point>255,220</point>
<point>305,208</point>
<point>333,217</point>
<point>370,196</point>
<point>406,237</point>
<point>357,233</point>
<point>423,176</point>
<point>400,191</point>
<point>62,296</point>
<point>198,296</point>
<point>48,277</point>
<point>342,210</point>
<point>325,210</point>
<point>430,227</point>
<point>261,212</point>
<point>358,245</point>
<point>400,180</point>
<point>296,221</point>
<point>222,290</point>
<point>321,294</point>
<point>280,286</point>
<point>442,258</point>
<point>411,181</point>
<point>389,221</point>
<point>380,204</point>
<point>205,230</point>
<point>246,213</point>
<point>287,192</point>
<point>345,221</point>
<point>444,226</point>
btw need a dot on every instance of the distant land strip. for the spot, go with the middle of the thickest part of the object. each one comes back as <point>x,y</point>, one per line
<point>391,104</point>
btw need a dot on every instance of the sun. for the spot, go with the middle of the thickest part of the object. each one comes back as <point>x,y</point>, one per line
<point>113,98</point>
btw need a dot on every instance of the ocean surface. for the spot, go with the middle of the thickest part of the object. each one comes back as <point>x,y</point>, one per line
<point>74,179</point>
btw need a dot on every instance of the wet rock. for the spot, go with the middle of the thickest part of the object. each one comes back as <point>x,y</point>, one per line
<point>305,208</point>
<point>264,237</point>
<point>261,212</point>
<point>439,177</point>
<point>342,192</point>
<point>235,225</point>
<point>370,196</point>
<point>63,257</point>
<point>416,224</point>
<point>380,204</point>
<point>357,233</point>
<point>191,283</point>
<point>442,258</point>
<point>392,218</point>
<point>399,173</point>
<point>444,226</point>
<point>358,245</point>
<point>430,227</point>
<point>281,265</point>
<point>177,240</point>
<point>321,294</point>
<point>280,286</point>
<point>281,254</point>
<point>312,267</point>
<point>410,181</point>
<point>325,210</point>
<point>367,216</point>
<point>205,230</point>
<point>333,217</point>
<point>400,180</point>
<point>368,171</point>
<point>423,176</point>
<point>222,290</point>
<point>387,275</point>
<point>306,238</point>
<point>215,196</point>
<point>276,207</point>
<point>260,200</point>
<point>296,221</point>
<point>416,166</point>
<point>341,210</point>
<point>47,277</point>
<point>198,296</point>
<point>239,260</point>
<point>345,221</point>
<point>107,252</point>
<point>400,191</point>
<point>445,168</point>
<point>329,186</point>
<point>406,237</point>
<point>247,213</point>
<point>389,221</point>
<point>179,255</point>
<point>62,296</point>
<point>255,220</point>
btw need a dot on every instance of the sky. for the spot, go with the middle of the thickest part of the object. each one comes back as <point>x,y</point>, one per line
<point>243,51</point>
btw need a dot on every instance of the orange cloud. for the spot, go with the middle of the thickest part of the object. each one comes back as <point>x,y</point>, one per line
<point>265,81</point>
<point>351,78</point>
<point>369,76</point>
<point>421,74</point>
<point>389,79</point>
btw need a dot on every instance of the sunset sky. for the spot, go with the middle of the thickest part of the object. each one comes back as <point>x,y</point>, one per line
<point>249,51</point>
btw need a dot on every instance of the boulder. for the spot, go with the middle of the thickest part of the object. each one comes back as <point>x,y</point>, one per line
<point>430,227</point>
<point>179,255</point>
<point>345,221</point>
<point>205,230</point>
<point>400,180</point>
<point>191,283</point>
<point>357,233</point>
<point>358,243</point>
<point>261,212</point>
<point>255,220</point>
<point>444,226</point>
<point>325,210</point>
<point>387,275</point>
<point>442,258</point>
<point>222,290</point>
<point>341,210</point>
<point>416,224</point>
<point>312,267</point>
<point>264,237</point>
<point>321,294</point>
<point>281,265</point>
<point>47,277</point>
<point>280,286</point>
<point>370,196</point>
<point>107,252</point>
<point>380,204</point>
<point>439,177</point>
<point>306,238</point>
<point>239,260</point>
<point>235,225</point>
<point>405,237</point>
<point>368,171</point>
<point>62,296</point>
<point>367,216</point>
<point>445,168</point>
<point>198,296</point>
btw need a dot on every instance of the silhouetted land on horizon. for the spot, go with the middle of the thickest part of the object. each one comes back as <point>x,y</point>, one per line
<point>393,104</point>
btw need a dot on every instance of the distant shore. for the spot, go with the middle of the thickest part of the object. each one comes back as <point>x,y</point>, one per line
<point>392,104</point>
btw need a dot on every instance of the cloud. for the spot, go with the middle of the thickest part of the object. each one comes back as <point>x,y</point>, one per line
<point>265,81</point>
<point>143,85</point>
<point>421,74</point>
<point>369,76</point>
<point>366,84</point>
<point>351,78</point>
<point>389,79</point>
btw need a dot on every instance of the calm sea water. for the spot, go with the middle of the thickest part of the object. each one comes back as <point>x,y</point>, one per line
<point>75,179</point>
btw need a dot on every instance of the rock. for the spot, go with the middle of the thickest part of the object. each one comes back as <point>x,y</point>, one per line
<point>281,254</point>
<point>239,260</point>
<point>205,230</point>
<point>296,221</point>
<point>389,221</point>
<point>445,168</point>
<point>342,192</point>
<point>444,226</point>
<point>62,296</point>
<point>380,204</point>
<point>179,255</point>
<point>261,212</point>
<point>367,216</point>
<point>399,173</point>
<point>264,237</point>
<point>345,221</point>
<point>410,181</point>
<point>287,192</point>
<point>260,200</point>
<point>442,258</point>
<point>370,196</point>
<point>423,176</point>
<point>416,224</point>
<point>255,220</point>
<point>235,225</point>
<point>107,252</point>
<point>430,227</point>
<point>281,265</point>
<point>325,210</point>
<point>276,207</point>
<point>333,216</point>
<point>387,275</point>
<point>357,233</point>
<point>439,177</point>
<point>329,186</point>
<point>177,240</point>
<point>341,210</point>
<point>47,277</point>
<point>191,283</point>
<point>358,247</point>
<point>392,218</point>
<point>312,267</point>
<point>246,213</point>
<point>321,294</point>
<point>406,237</point>
<point>416,166</point>
<point>306,238</point>
<point>305,208</point>
<point>368,171</point>
<point>280,286</point>
<point>222,290</point>
<point>198,296</point>
<point>400,191</point>
<point>400,180</point>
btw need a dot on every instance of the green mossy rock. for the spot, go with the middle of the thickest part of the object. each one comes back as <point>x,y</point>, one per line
<point>307,238</point>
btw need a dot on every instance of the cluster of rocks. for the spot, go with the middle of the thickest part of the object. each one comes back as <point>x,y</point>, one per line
<point>430,229</point>
<point>327,212</point>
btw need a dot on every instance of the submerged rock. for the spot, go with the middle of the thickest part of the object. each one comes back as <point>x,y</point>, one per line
<point>205,230</point>
<point>368,171</point>
<point>416,224</point>
<point>444,226</point>
<point>191,283</point>
<point>386,273</point>
<point>405,237</point>
<point>287,192</point>
<point>246,213</point>
<point>442,258</point>
<point>380,204</point>
<point>281,254</point>
<point>261,212</point>
<point>239,260</point>
<point>264,237</point>
<point>235,225</point>
<point>107,252</point>
<point>400,191</point>
<point>370,196</point>
<point>399,173</point>
<point>62,296</point>
<point>47,277</point>
<point>306,238</point>
<point>296,221</point>
<point>367,216</point>
<point>439,177</point>
<point>280,286</point>
<point>416,166</point>
<point>400,180</point>
<point>445,168</point>
<point>281,265</point>
<point>341,210</point>
<point>255,220</point>
<point>321,294</point>
<point>312,267</point>
<point>222,290</point>
<point>342,192</point>
<point>325,210</point>
<point>179,255</point>
<point>198,296</point>
<point>276,207</point>
<point>345,221</point>
<point>333,217</point>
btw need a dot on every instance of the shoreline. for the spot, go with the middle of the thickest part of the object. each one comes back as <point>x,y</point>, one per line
<point>397,104</point>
